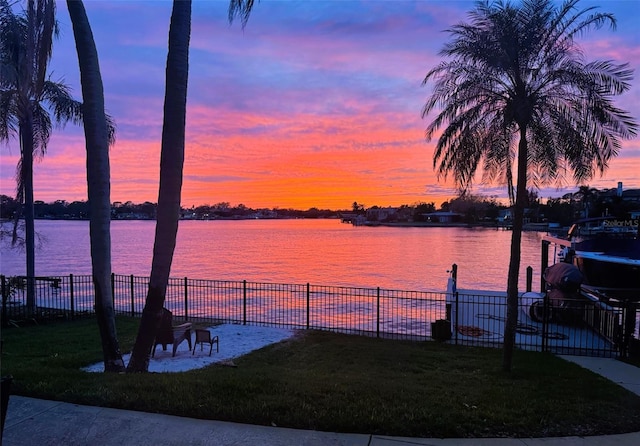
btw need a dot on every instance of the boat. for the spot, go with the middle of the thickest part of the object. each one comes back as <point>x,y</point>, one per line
<point>606,250</point>
<point>587,228</point>
<point>602,269</point>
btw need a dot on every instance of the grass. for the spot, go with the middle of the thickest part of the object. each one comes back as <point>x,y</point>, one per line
<point>335,382</point>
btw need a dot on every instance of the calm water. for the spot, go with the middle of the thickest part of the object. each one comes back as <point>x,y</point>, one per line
<point>321,252</point>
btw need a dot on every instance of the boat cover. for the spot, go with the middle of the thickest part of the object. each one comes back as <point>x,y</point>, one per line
<point>564,277</point>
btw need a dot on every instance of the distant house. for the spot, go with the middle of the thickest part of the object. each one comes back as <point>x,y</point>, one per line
<point>381,214</point>
<point>506,215</point>
<point>348,217</point>
<point>264,214</point>
<point>614,197</point>
<point>629,195</point>
<point>443,217</point>
<point>632,195</point>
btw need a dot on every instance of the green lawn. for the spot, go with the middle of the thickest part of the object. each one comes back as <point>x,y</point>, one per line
<point>335,382</point>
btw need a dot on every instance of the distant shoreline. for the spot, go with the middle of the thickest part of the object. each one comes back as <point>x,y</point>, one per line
<point>540,227</point>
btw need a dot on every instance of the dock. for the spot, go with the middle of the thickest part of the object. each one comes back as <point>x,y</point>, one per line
<point>478,318</point>
<point>588,323</point>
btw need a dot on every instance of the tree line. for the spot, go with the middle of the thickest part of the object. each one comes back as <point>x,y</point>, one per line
<point>584,202</point>
<point>80,210</point>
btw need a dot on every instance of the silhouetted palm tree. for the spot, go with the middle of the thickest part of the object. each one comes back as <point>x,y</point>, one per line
<point>26,96</point>
<point>586,196</point>
<point>171,164</point>
<point>99,134</point>
<point>514,92</point>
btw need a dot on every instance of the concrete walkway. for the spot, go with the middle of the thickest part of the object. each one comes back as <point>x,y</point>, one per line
<point>623,374</point>
<point>41,422</point>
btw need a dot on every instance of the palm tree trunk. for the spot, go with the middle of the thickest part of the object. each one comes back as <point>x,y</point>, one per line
<point>26,145</point>
<point>98,183</point>
<point>26,136</point>
<point>514,260</point>
<point>171,163</point>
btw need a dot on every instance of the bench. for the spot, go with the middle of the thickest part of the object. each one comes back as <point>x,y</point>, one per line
<point>170,334</point>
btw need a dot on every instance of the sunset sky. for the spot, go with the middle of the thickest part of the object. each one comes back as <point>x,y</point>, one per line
<point>313,104</point>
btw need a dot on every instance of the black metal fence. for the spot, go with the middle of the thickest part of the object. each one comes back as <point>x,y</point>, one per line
<point>375,311</point>
<point>67,297</point>
<point>581,327</point>
<point>388,313</point>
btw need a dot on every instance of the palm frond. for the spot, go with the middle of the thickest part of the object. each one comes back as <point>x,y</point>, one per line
<point>111,129</point>
<point>45,31</point>
<point>65,108</point>
<point>19,183</point>
<point>8,115</point>
<point>41,129</point>
<point>26,94</point>
<point>240,8</point>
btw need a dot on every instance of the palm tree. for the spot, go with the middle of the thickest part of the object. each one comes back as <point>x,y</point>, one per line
<point>171,163</point>
<point>586,196</point>
<point>99,134</point>
<point>26,95</point>
<point>514,91</point>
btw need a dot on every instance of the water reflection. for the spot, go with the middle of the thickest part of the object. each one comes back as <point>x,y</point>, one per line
<point>322,252</point>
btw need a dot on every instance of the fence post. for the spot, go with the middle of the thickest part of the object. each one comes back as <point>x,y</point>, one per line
<point>71,299</point>
<point>244,302</point>
<point>186,299</point>
<point>628,327</point>
<point>455,323</point>
<point>5,296</point>
<point>133,296</point>
<point>308,303</point>
<point>378,313</point>
<point>529,278</point>
<point>546,317</point>
<point>544,262</point>
<point>113,289</point>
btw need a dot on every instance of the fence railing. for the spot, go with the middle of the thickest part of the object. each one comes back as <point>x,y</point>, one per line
<point>590,328</point>
<point>382,312</point>
<point>360,310</point>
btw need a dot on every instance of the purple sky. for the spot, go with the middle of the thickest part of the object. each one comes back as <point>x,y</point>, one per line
<point>314,103</point>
